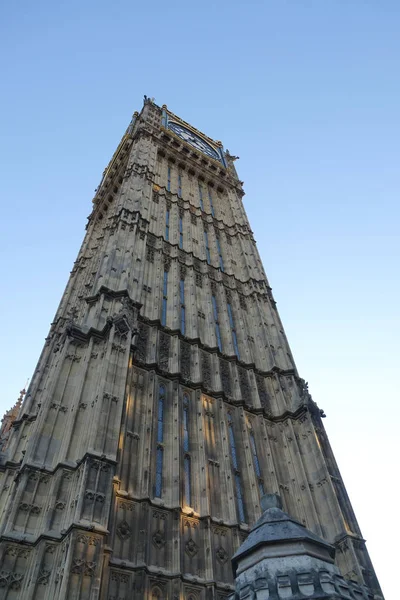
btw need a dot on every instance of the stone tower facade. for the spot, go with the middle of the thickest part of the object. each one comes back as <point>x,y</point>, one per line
<point>166,401</point>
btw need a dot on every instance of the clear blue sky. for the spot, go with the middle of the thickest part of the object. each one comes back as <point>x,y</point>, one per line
<point>307,93</point>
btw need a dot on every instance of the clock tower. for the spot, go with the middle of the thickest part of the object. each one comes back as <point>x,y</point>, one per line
<point>166,401</point>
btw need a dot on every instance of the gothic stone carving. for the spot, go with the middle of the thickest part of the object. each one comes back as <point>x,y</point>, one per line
<point>206,369</point>
<point>185,359</point>
<point>225,376</point>
<point>164,351</point>
<point>142,341</point>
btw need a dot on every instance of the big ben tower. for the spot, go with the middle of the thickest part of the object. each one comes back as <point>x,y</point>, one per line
<point>166,401</point>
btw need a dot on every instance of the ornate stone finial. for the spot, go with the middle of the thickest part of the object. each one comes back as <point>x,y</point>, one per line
<point>9,418</point>
<point>164,106</point>
<point>21,396</point>
<point>271,501</point>
<point>230,156</point>
<point>13,413</point>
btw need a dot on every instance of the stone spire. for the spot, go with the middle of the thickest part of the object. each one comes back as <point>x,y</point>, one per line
<point>282,559</point>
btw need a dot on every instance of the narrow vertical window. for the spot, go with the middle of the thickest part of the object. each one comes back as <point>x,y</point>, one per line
<point>211,202</point>
<point>167,225</point>
<point>235,465</point>
<point>221,262</point>
<point>233,330</point>
<point>201,197</point>
<point>186,451</point>
<point>160,440</point>
<point>217,330</point>
<point>180,231</point>
<point>256,462</point>
<point>182,302</point>
<point>208,256</point>
<point>180,185</point>
<point>164,299</point>
<point>169,179</point>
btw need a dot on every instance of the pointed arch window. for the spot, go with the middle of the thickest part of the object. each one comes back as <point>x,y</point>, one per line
<point>208,256</point>
<point>256,462</point>
<point>169,179</point>
<point>221,261</point>
<point>167,224</point>
<point>179,185</point>
<point>160,440</point>
<point>201,197</point>
<point>233,330</point>
<point>156,594</point>
<point>211,202</point>
<point>217,329</point>
<point>182,303</point>
<point>235,465</point>
<point>186,451</point>
<point>180,231</point>
<point>164,299</point>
